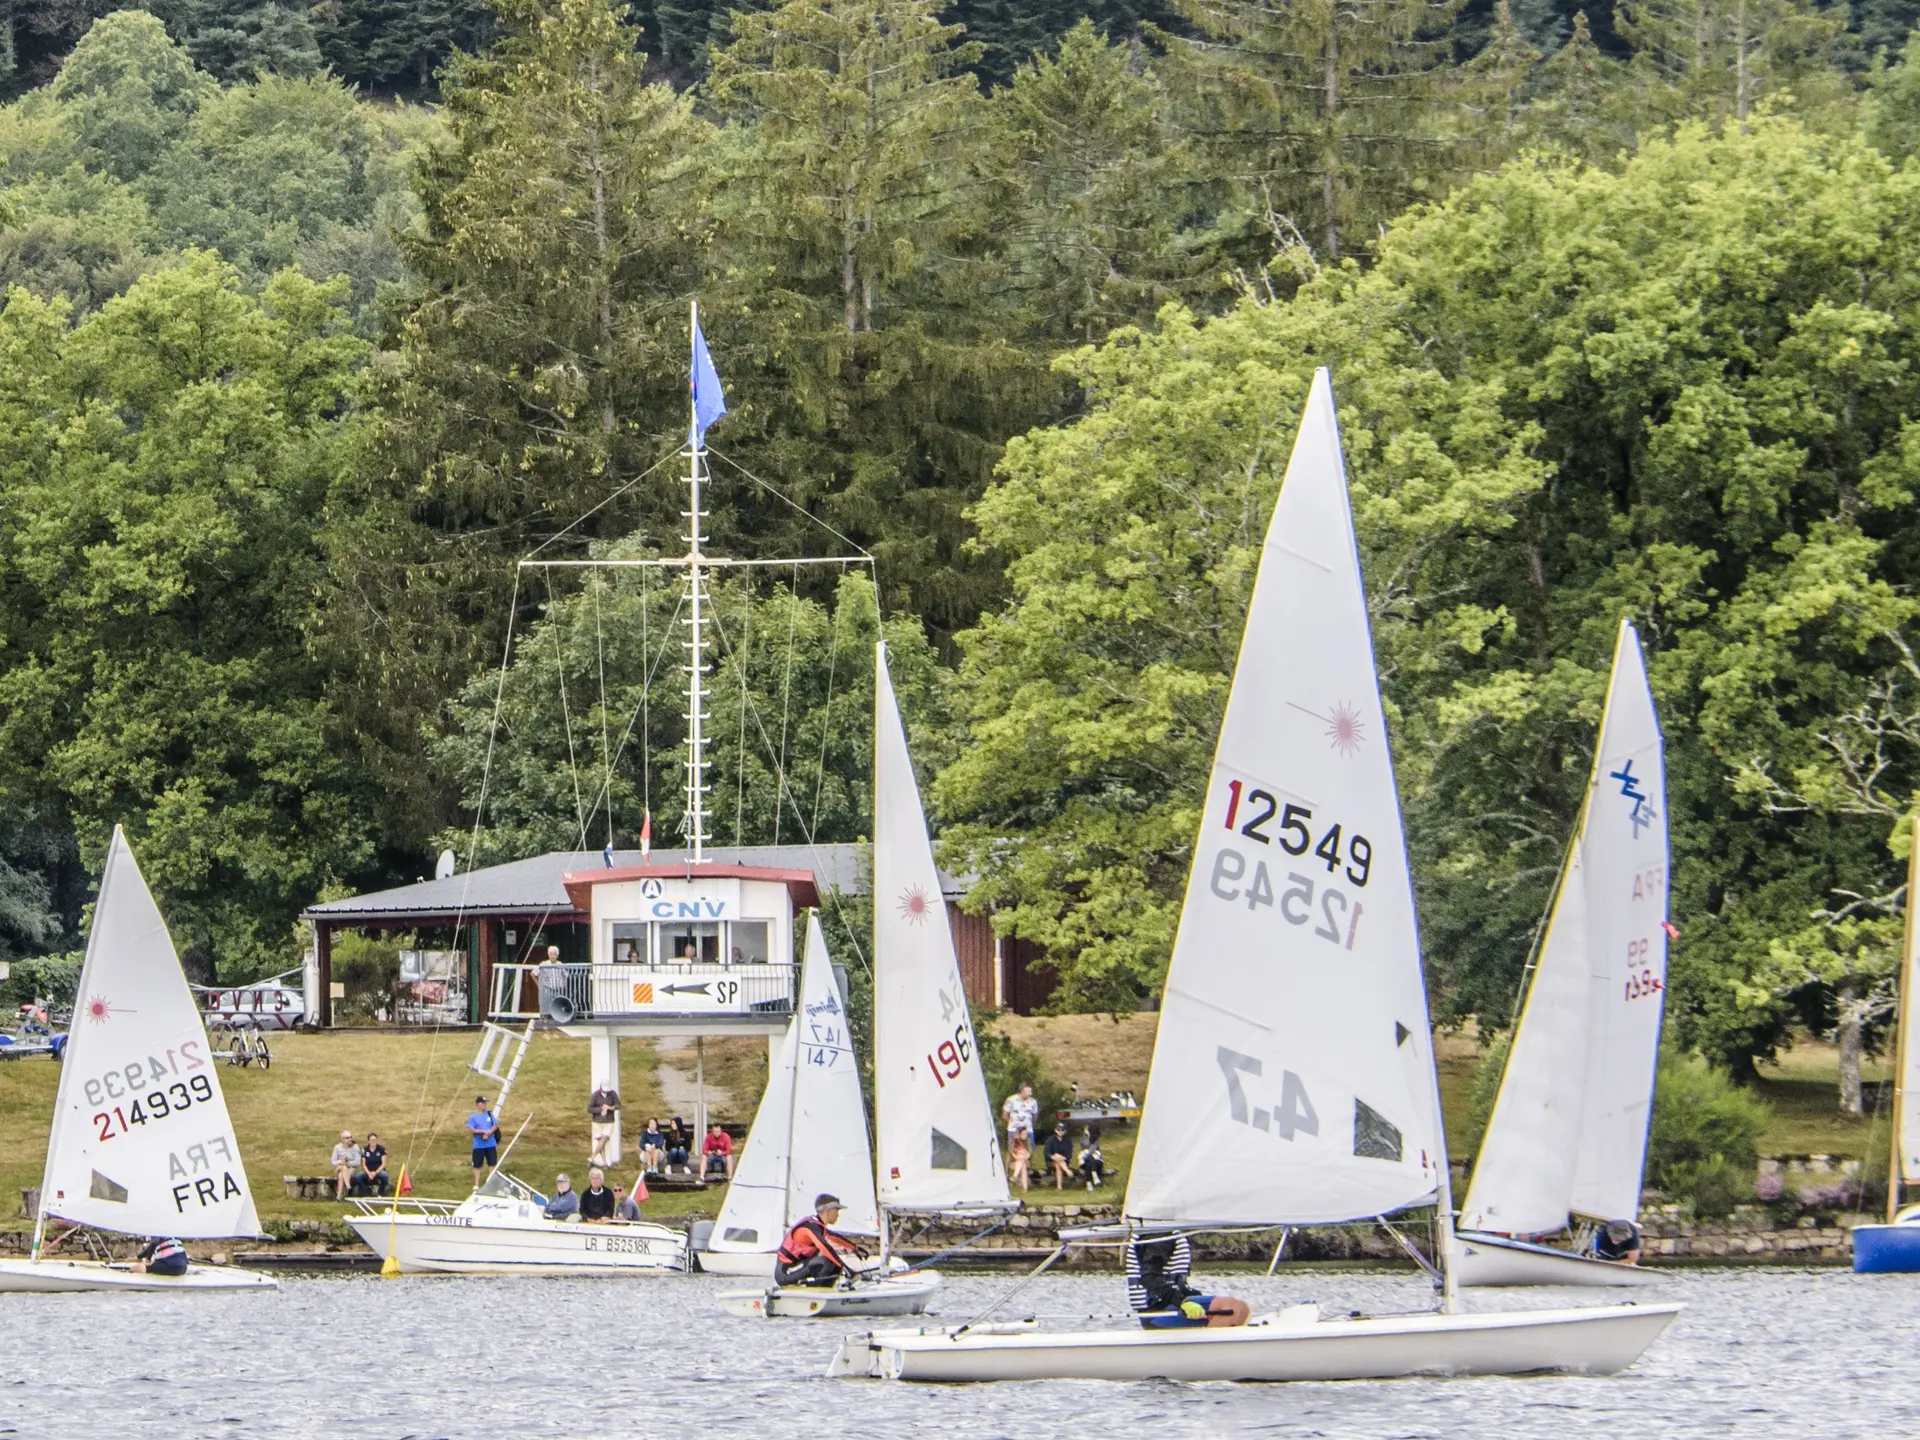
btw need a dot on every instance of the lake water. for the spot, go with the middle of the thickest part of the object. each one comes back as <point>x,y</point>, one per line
<point>1763,1353</point>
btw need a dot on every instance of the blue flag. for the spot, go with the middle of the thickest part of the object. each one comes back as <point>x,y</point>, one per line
<point>709,400</point>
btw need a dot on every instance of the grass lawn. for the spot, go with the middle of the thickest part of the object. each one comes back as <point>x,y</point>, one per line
<point>413,1089</point>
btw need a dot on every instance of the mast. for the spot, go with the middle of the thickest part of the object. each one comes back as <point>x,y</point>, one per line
<point>1902,999</point>
<point>695,825</point>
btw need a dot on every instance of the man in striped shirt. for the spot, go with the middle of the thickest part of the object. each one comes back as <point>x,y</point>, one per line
<point>1158,1268</point>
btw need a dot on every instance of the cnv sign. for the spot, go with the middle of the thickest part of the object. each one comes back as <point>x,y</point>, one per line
<point>671,900</point>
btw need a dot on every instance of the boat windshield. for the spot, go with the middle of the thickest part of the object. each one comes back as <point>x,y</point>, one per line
<point>502,1186</point>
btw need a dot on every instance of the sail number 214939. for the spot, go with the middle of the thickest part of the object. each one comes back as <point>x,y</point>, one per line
<point>1347,856</point>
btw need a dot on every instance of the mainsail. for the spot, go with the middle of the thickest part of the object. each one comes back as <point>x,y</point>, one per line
<point>938,1148</point>
<point>1293,1077</point>
<point>809,1135</point>
<point>1569,1128</point>
<point>141,1141</point>
<point>1626,842</point>
<point>1906,1074</point>
<point>831,1153</point>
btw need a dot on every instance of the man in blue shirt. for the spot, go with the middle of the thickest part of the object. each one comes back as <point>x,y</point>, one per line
<point>484,1129</point>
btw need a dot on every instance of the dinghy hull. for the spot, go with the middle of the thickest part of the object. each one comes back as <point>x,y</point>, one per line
<point>1886,1249</point>
<point>425,1244</point>
<point>897,1295</point>
<point>1493,1260</point>
<point>1597,1341</point>
<point>64,1276</point>
<point>747,1264</point>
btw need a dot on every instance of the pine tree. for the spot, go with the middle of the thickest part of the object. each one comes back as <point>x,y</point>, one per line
<point>1333,113</point>
<point>1096,238</point>
<point>540,370</point>
<point>865,303</point>
<point>1718,57</point>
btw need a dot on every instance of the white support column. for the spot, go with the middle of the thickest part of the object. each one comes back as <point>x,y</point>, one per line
<point>604,1069</point>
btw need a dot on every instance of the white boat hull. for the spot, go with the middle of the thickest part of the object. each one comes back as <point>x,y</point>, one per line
<point>747,1264</point>
<point>465,1245</point>
<point>1490,1260</point>
<point>59,1276</point>
<point>905,1294</point>
<point>1289,1346</point>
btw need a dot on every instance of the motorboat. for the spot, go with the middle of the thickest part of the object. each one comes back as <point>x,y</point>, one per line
<point>502,1229</point>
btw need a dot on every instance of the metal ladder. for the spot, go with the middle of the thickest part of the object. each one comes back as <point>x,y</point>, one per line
<point>495,1041</point>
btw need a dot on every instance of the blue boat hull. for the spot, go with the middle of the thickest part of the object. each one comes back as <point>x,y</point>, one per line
<point>1886,1249</point>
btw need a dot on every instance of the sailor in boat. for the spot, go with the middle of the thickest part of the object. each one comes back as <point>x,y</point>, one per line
<point>1618,1240</point>
<point>1158,1269</point>
<point>812,1253</point>
<point>161,1256</point>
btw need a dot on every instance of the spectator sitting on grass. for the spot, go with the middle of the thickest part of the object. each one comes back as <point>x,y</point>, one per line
<point>719,1152</point>
<point>653,1148</point>
<point>345,1160</point>
<point>679,1143</point>
<point>1093,1164</point>
<point>371,1177</point>
<point>1059,1153</point>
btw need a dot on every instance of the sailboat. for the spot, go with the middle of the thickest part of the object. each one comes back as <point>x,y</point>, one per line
<point>1895,1246</point>
<point>141,1143</point>
<point>809,1138</point>
<point>1293,1078</point>
<point>1568,1134</point>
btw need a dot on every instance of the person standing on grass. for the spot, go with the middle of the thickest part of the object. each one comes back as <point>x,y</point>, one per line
<point>1021,1112</point>
<point>603,1112</point>
<point>483,1128</point>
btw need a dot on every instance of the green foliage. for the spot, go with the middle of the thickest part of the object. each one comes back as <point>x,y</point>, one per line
<point>586,734</point>
<point>1700,1145</point>
<point>540,368</point>
<point>1486,1091</point>
<point>862,304</point>
<point>126,93</point>
<point>164,463</point>
<point>1678,392</point>
<point>52,979</point>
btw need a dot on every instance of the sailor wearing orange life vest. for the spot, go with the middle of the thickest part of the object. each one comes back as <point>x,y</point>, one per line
<point>812,1254</point>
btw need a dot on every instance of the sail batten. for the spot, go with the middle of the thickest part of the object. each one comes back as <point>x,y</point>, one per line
<point>141,1142</point>
<point>1292,1077</point>
<point>936,1142</point>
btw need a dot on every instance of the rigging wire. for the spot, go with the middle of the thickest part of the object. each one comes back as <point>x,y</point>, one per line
<point>826,723</point>
<point>566,713</point>
<point>740,670</point>
<point>786,686</point>
<point>788,501</point>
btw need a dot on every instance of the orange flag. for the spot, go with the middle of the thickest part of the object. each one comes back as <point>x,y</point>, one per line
<point>405,1187</point>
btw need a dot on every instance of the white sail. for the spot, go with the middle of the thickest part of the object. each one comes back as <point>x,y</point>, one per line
<point>141,1142</point>
<point>1568,1131</point>
<point>1293,1075</point>
<point>753,1217</point>
<point>1523,1175</point>
<point>1626,859</point>
<point>938,1148</point>
<point>809,1136</point>
<point>831,1153</point>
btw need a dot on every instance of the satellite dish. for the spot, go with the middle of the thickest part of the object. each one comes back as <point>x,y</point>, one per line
<point>444,870</point>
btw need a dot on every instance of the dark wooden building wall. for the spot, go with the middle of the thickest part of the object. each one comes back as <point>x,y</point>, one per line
<point>1026,983</point>
<point>973,943</point>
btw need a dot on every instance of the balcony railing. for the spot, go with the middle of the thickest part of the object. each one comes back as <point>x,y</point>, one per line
<point>569,993</point>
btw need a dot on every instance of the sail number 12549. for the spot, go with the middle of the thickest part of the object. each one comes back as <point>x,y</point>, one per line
<point>1334,914</point>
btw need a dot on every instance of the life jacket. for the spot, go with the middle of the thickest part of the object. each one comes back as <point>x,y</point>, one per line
<point>812,1228</point>
<point>167,1249</point>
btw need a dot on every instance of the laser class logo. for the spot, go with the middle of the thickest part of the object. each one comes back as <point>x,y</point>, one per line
<point>98,1009</point>
<point>913,906</point>
<point>1643,813</point>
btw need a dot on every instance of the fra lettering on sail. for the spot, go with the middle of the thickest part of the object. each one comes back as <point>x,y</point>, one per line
<point>203,1175</point>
